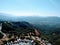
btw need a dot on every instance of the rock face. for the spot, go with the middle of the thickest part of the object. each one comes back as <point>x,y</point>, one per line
<point>36,32</point>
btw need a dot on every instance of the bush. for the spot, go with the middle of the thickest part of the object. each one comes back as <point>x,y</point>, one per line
<point>1,35</point>
<point>57,42</point>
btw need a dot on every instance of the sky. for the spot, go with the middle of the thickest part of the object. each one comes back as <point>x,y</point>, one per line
<point>30,7</point>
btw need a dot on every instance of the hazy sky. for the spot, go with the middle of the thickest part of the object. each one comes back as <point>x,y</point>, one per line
<point>30,7</point>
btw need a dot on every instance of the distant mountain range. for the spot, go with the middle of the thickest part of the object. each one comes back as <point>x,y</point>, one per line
<point>31,19</point>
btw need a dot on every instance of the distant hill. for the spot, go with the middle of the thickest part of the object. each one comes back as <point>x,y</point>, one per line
<point>31,19</point>
<point>6,17</point>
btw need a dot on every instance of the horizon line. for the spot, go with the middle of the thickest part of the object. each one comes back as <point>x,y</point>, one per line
<point>28,15</point>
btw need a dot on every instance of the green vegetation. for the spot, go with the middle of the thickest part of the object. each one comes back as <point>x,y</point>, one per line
<point>1,35</point>
<point>50,33</point>
<point>47,31</point>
